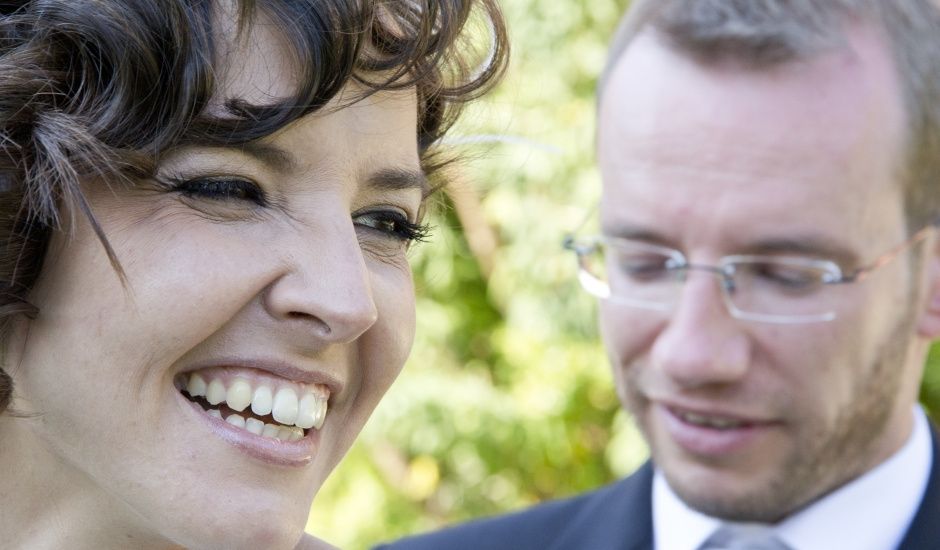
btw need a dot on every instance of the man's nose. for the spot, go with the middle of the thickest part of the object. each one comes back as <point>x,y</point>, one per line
<point>701,344</point>
<point>326,290</point>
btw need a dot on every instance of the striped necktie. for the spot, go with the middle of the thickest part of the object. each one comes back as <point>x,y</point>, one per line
<point>744,537</point>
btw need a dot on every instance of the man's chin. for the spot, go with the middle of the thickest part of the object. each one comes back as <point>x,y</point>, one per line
<point>731,495</point>
<point>746,508</point>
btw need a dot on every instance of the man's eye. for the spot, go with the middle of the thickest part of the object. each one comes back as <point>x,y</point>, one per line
<point>787,276</point>
<point>644,268</point>
<point>222,189</point>
<point>393,225</point>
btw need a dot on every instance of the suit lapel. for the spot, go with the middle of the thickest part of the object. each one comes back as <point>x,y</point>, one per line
<point>616,517</point>
<point>635,515</point>
<point>925,528</point>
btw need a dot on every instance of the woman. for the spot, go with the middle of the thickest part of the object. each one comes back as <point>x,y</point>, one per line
<point>206,209</point>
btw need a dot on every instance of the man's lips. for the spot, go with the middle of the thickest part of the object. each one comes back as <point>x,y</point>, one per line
<point>715,419</point>
<point>712,431</point>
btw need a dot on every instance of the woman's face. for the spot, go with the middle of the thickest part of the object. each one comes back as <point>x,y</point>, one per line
<point>276,268</point>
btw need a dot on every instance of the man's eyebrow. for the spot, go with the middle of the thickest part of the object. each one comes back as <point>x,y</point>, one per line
<point>815,246</point>
<point>635,233</point>
<point>397,179</point>
<point>272,156</point>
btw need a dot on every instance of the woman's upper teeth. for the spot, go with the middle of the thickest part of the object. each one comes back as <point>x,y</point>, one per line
<point>302,406</point>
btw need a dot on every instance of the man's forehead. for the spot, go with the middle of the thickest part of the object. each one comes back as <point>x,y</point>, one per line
<point>809,142</point>
<point>838,107</point>
<point>652,78</point>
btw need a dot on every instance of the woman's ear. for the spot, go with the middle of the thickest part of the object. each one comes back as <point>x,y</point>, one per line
<point>928,325</point>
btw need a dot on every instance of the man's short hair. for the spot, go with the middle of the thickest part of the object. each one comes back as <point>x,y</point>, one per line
<point>760,34</point>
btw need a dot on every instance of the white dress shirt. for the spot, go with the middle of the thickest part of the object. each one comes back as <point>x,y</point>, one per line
<point>871,512</point>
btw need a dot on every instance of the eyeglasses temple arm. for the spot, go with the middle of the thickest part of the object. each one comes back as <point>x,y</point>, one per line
<point>861,273</point>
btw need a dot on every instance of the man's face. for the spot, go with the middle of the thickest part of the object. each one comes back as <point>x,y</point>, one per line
<point>796,160</point>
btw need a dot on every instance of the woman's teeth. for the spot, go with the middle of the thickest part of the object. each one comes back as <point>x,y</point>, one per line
<point>292,414</point>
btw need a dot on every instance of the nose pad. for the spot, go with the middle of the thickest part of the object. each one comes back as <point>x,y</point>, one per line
<point>727,283</point>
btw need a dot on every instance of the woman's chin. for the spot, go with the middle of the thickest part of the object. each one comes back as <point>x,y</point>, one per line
<point>265,530</point>
<point>237,516</point>
<point>310,542</point>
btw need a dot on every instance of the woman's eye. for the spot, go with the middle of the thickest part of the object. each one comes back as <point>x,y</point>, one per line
<point>393,225</point>
<point>222,189</point>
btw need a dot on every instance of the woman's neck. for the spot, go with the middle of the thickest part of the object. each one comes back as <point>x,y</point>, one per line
<point>49,504</point>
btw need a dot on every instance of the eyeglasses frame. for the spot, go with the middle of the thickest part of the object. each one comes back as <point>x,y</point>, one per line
<point>585,246</point>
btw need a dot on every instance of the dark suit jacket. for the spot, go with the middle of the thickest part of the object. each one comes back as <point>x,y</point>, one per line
<point>619,517</point>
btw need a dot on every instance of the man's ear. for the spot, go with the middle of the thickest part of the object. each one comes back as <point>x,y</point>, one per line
<point>928,325</point>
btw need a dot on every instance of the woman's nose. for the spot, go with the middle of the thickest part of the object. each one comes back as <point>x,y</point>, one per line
<point>326,288</point>
<point>702,344</point>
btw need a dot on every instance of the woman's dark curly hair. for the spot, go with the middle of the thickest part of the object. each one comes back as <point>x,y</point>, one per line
<point>103,88</point>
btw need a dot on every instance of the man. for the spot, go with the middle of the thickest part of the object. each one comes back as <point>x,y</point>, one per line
<point>770,280</point>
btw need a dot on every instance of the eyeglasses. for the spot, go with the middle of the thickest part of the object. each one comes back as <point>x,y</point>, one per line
<point>770,289</point>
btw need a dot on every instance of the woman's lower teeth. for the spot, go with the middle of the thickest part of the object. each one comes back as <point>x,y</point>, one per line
<point>257,427</point>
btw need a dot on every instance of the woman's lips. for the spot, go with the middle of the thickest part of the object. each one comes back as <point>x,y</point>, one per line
<point>288,452</point>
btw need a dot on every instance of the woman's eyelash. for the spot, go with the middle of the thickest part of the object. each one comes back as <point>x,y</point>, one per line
<point>221,189</point>
<point>395,225</point>
<point>391,224</point>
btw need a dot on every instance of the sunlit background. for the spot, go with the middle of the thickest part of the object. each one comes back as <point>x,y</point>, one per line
<point>507,399</point>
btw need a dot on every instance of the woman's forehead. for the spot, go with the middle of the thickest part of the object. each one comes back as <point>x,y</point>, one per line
<point>257,65</point>
<point>254,61</point>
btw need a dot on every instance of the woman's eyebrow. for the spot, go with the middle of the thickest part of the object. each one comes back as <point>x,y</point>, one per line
<point>396,179</point>
<point>272,156</point>
<point>390,179</point>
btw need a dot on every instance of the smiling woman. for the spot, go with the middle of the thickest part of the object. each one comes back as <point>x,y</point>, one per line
<point>205,210</point>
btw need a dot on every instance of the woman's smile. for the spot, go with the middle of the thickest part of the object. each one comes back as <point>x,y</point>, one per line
<point>270,418</point>
<point>257,400</point>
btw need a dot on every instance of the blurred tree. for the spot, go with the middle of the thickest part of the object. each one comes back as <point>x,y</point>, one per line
<point>507,398</point>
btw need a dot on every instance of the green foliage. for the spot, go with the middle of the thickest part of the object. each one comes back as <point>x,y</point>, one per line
<point>930,388</point>
<point>507,398</point>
